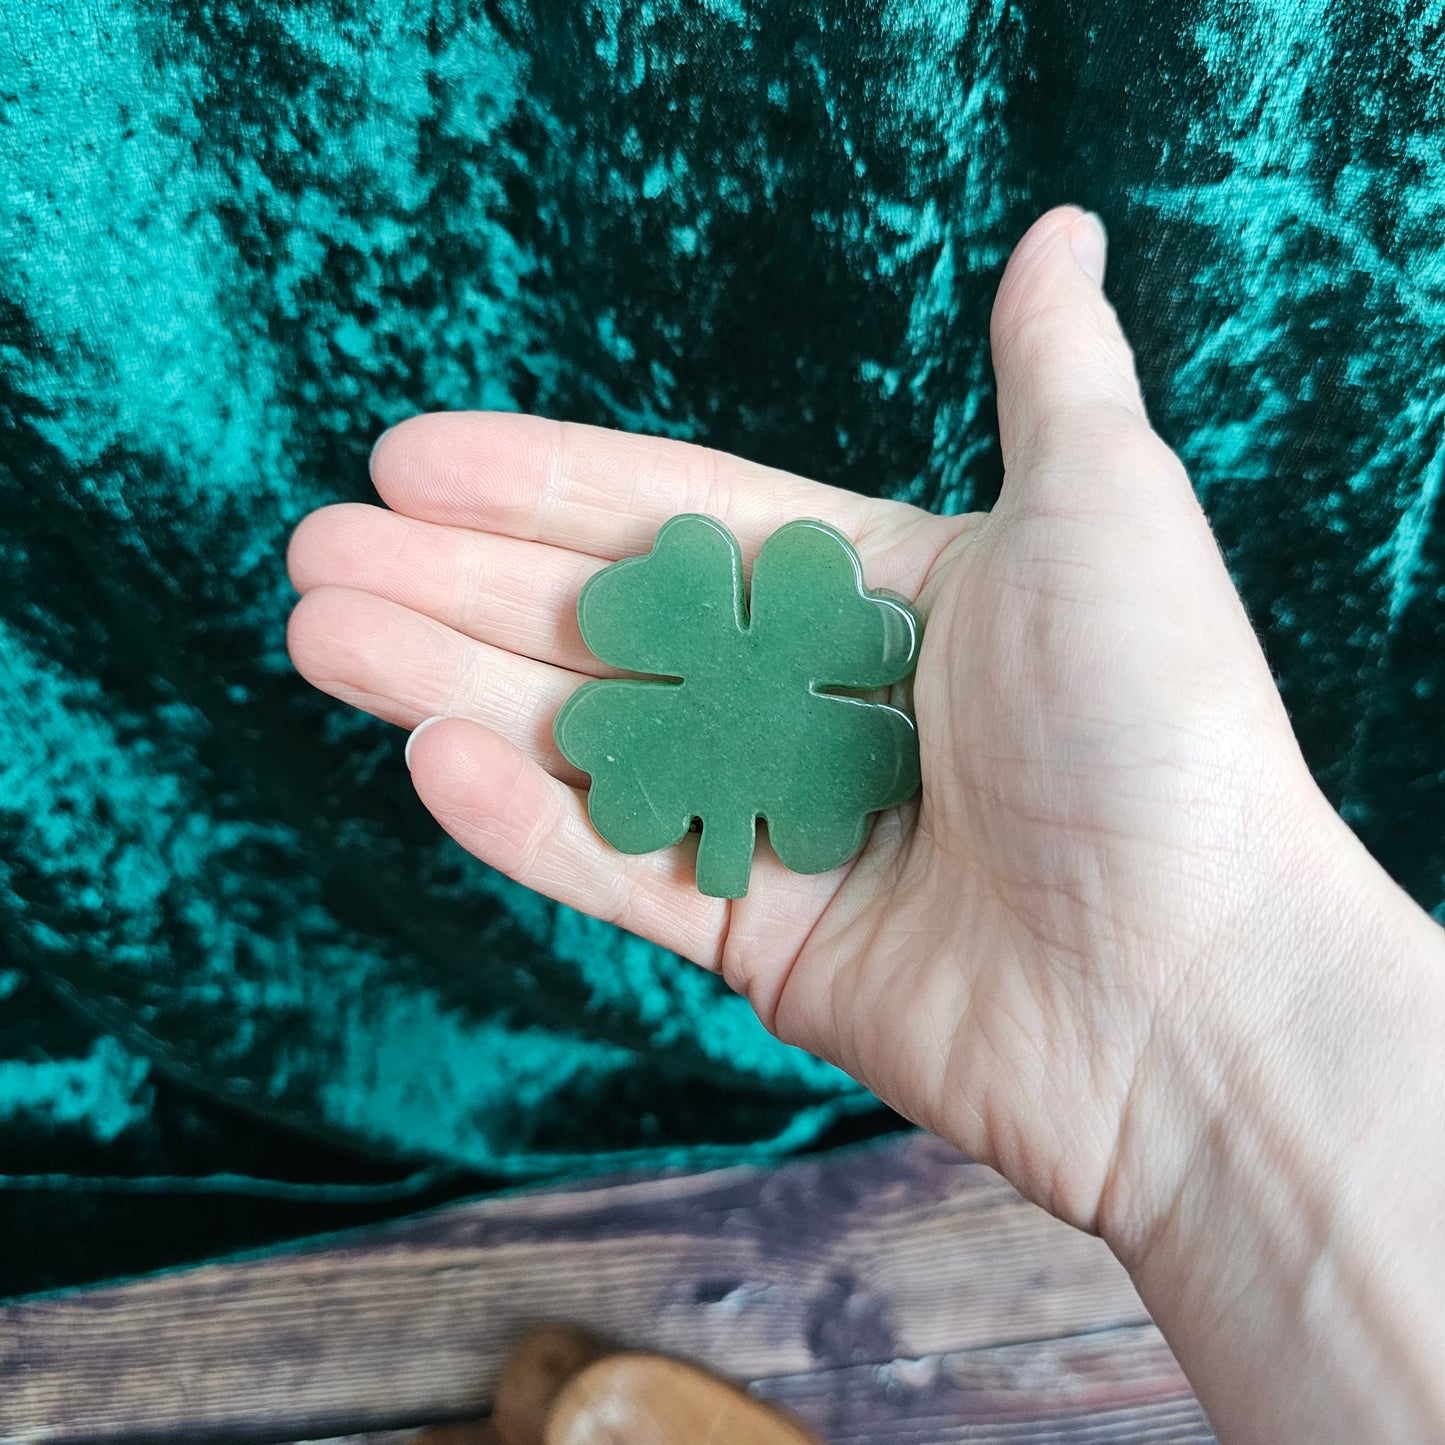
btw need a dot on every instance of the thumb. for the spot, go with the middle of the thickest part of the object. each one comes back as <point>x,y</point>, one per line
<point>1071,416</point>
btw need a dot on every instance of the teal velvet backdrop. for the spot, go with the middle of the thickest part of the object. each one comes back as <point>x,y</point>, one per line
<point>247,989</point>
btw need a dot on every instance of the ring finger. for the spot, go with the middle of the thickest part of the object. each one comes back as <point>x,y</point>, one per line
<point>405,667</point>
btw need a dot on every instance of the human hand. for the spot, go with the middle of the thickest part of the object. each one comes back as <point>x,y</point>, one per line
<point>1114,808</point>
<point>1100,737</point>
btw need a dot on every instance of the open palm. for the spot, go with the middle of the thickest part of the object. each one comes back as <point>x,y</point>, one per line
<point>1099,732</point>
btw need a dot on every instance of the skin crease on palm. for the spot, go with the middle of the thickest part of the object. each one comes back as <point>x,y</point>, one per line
<point>1108,925</point>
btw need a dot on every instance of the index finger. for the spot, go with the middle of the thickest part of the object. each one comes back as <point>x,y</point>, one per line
<point>602,492</point>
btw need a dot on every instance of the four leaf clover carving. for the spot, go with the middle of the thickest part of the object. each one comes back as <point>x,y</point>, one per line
<point>752,707</point>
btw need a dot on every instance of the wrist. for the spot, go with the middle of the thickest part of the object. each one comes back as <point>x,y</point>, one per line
<point>1280,1181</point>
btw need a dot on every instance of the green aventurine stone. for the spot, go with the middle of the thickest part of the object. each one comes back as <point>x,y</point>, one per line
<point>748,718</point>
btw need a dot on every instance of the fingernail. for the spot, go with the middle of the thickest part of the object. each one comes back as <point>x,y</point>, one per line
<point>376,446</point>
<point>416,732</point>
<point>1090,244</point>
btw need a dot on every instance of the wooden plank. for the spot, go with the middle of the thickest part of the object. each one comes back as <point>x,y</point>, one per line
<point>1114,1386</point>
<point>897,1251</point>
<point>1119,1385</point>
<point>377,1437</point>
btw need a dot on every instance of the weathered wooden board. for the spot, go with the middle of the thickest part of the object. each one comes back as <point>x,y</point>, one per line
<point>1114,1386</point>
<point>826,1266</point>
<point>1119,1385</point>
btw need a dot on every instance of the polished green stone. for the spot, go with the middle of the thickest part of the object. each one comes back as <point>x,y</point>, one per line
<point>750,715</point>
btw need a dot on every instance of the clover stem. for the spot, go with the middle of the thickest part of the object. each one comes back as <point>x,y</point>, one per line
<point>725,853</point>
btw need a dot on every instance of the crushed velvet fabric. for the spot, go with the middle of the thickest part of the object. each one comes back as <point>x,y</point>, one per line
<point>247,989</point>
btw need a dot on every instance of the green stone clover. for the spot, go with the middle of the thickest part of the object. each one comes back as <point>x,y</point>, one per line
<point>750,716</point>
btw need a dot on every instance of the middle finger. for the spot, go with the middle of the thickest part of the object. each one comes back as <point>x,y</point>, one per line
<point>516,595</point>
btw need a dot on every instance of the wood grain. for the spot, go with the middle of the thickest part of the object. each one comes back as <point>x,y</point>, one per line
<point>1107,1388</point>
<point>1116,1385</point>
<point>847,1261</point>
